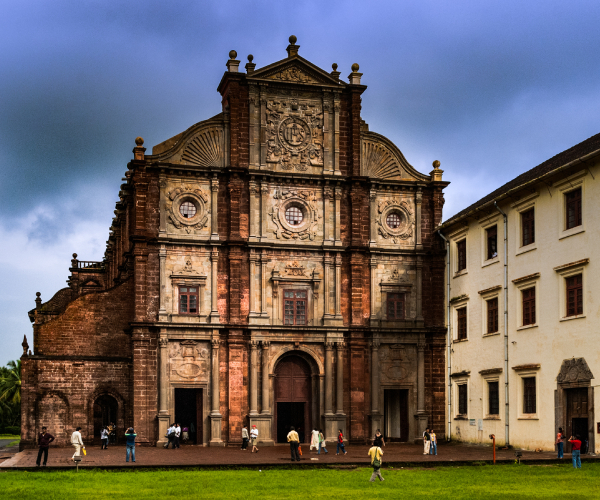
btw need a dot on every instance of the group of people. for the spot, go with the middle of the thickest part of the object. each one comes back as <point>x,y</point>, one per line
<point>575,447</point>
<point>173,435</point>
<point>108,433</point>
<point>247,437</point>
<point>429,442</point>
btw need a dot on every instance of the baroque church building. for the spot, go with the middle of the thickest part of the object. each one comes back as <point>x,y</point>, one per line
<point>276,264</point>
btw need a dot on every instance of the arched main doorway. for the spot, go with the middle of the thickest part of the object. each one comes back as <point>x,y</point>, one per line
<point>292,397</point>
<point>105,412</point>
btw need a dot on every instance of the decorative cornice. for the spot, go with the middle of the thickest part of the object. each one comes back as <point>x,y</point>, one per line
<point>464,373</point>
<point>533,276</point>
<point>490,371</point>
<point>531,366</point>
<point>581,262</point>
<point>488,290</point>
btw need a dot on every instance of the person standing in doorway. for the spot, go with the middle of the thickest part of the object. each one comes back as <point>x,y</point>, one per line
<point>432,442</point>
<point>576,451</point>
<point>104,438</point>
<point>130,444</point>
<point>375,452</point>
<point>77,443</point>
<point>560,442</point>
<point>186,435</point>
<point>340,443</point>
<point>322,443</point>
<point>254,438</point>
<point>294,441</point>
<point>245,438</point>
<point>177,435</point>
<point>44,440</point>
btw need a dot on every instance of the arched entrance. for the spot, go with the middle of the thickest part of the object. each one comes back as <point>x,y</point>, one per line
<point>293,397</point>
<point>105,412</point>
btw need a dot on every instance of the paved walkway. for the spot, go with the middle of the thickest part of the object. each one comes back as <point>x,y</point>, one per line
<point>198,456</point>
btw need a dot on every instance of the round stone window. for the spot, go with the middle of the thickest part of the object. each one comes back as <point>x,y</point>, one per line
<point>393,220</point>
<point>293,216</point>
<point>187,209</point>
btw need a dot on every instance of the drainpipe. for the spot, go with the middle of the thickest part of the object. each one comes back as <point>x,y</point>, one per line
<point>448,336</point>
<point>506,414</point>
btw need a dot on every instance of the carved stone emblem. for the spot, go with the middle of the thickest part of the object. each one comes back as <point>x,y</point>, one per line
<point>294,134</point>
<point>574,370</point>
<point>198,198</point>
<point>395,362</point>
<point>188,370</point>
<point>403,216</point>
<point>305,201</point>
<point>295,269</point>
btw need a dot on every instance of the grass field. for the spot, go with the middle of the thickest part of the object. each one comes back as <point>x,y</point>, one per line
<point>15,437</point>
<point>486,481</point>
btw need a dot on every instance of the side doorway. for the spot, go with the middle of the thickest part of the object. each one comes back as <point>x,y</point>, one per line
<point>188,413</point>
<point>577,417</point>
<point>395,416</point>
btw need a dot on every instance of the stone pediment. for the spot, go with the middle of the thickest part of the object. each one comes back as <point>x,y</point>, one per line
<point>295,70</point>
<point>381,159</point>
<point>574,371</point>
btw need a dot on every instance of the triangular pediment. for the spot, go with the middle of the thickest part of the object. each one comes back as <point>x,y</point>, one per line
<point>295,69</point>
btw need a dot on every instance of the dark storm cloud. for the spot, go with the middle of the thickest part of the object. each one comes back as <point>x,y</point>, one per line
<point>488,88</point>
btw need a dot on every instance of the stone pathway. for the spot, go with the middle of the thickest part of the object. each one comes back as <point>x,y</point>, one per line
<point>198,456</point>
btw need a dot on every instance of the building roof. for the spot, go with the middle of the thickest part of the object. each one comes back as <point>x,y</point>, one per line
<point>563,159</point>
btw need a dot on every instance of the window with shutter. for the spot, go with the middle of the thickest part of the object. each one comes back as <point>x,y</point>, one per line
<point>461,248</point>
<point>462,399</point>
<point>493,398</point>
<point>492,315</point>
<point>528,306</point>
<point>529,404</point>
<point>492,242</point>
<point>461,317</point>
<point>573,208</point>
<point>574,295</point>
<point>528,227</point>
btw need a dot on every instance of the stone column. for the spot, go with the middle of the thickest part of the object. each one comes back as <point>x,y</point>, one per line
<point>163,408</point>
<point>252,280</point>
<point>338,286</point>
<point>375,376</point>
<point>162,230</point>
<point>419,289</point>
<point>326,285</point>
<point>264,191</point>
<point>327,140</point>
<point>328,378</point>
<point>254,126</point>
<point>162,258</point>
<point>214,311</point>
<point>373,214</point>
<point>374,291</point>
<point>339,393</point>
<point>336,130</point>
<point>253,379</point>
<point>263,125</point>
<point>337,215</point>
<point>421,413</point>
<point>418,199</point>
<point>266,403</point>
<point>327,196</point>
<point>263,284</point>
<point>254,209</point>
<point>214,210</point>
<point>215,414</point>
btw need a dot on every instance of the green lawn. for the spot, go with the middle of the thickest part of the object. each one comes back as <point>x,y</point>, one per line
<point>16,437</point>
<point>501,481</point>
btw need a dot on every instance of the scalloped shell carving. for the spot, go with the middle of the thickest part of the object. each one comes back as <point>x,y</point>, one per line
<point>205,149</point>
<point>379,162</point>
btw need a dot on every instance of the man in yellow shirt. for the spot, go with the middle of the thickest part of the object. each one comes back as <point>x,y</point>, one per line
<point>375,453</point>
<point>294,441</point>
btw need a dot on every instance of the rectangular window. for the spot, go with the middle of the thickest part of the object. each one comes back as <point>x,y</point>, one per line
<point>574,295</point>
<point>461,322</point>
<point>528,227</point>
<point>492,242</point>
<point>492,315</point>
<point>493,398</point>
<point>573,202</point>
<point>395,306</point>
<point>188,300</point>
<point>462,399</point>
<point>528,306</point>
<point>529,395</point>
<point>294,306</point>
<point>461,248</point>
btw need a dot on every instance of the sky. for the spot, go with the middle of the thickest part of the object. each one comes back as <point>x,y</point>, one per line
<point>488,88</point>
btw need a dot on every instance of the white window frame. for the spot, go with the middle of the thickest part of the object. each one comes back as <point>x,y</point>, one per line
<point>461,381</point>
<point>521,415</point>
<point>496,293</point>
<point>565,186</point>
<point>455,238</point>
<point>455,306</point>
<point>484,226</point>
<point>521,286</point>
<point>494,377</point>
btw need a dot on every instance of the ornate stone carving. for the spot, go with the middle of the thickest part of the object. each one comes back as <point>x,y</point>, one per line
<point>397,278</point>
<point>575,370</point>
<point>205,149</point>
<point>188,370</point>
<point>163,342</point>
<point>295,269</point>
<point>403,211</point>
<point>396,362</point>
<point>294,134</point>
<point>303,199</point>
<point>198,198</point>
<point>293,74</point>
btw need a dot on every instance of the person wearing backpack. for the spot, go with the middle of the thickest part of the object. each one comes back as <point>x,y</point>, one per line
<point>130,444</point>
<point>375,453</point>
<point>170,436</point>
<point>340,443</point>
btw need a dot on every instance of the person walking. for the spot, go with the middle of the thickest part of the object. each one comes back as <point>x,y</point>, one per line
<point>44,440</point>
<point>432,442</point>
<point>254,438</point>
<point>130,444</point>
<point>322,443</point>
<point>560,442</point>
<point>77,443</point>
<point>426,442</point>
<point>104,438</point>
<point>378,439</point>
<point>340,443</point>
<point>170,436</point>
<point>294,441</point>
<point>177,434</point>
<point>314,440</point>
<point>245,438</point>
<point>375,452</point>
<point>575,451</point>
<point>112,433</point>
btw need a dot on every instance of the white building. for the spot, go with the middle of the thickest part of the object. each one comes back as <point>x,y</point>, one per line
<point>524,306</point>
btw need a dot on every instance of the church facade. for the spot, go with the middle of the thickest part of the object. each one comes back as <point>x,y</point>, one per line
<point>274,265</point>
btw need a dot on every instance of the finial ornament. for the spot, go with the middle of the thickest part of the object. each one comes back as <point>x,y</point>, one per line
<point>293,39</point>
<point>250,57</point>
<point>74,255</point>
<point>436,173</point>
<point>232,54</point>
<point>436,164</point>
<point>139,141</point>
<point>355,67</point>
<point>334,66</point>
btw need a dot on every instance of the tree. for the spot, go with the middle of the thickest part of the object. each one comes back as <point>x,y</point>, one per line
<point>10,394</point>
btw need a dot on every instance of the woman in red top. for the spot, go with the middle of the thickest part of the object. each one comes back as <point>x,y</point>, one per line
<point>340,443</point>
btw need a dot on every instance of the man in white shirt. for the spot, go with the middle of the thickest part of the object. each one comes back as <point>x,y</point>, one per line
<point>254,438</point>
<point>177,434</point>
<point>170,435</point>
<point>77,442</point>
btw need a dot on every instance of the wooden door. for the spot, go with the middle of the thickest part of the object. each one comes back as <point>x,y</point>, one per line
<point>577,414</point>
<point>293,385</point>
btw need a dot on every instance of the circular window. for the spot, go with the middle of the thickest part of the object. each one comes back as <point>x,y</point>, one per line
<point>293,216</point>
<point>187,209</point>
<point>393,220</point>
